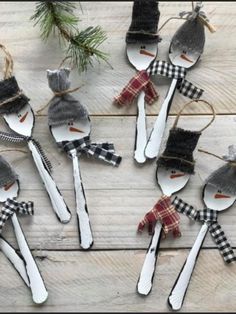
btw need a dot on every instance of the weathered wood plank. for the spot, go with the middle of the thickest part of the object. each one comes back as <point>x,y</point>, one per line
<point>215,72</point>
<point>106,281</point>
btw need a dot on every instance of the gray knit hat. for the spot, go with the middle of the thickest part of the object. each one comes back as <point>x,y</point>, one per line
<point>190,37</point>
<point>65,108</point>
<point>224,178</point>
<point>7,174</point>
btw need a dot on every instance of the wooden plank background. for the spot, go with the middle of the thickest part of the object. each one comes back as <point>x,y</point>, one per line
<point>104,279</point>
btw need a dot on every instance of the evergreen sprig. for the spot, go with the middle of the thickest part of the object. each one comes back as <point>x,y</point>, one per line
<point>57,17</point>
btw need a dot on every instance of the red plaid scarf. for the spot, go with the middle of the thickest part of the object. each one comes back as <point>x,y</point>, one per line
<point>139,82</point>
<point>165,212</point>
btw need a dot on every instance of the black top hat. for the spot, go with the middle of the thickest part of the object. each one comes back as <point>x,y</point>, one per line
<point>8,89</point>
<point>145,18</point>
<point>179,149</point>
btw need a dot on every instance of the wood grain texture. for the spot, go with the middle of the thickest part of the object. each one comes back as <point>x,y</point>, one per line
<point>106,281</point>
<point>117,197</point>
<point>32,56</point>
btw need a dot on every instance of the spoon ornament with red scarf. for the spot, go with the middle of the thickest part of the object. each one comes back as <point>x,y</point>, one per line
<point>142,46</point>
<point>174,168</point>
<point>70,125</point>
<point>219,193</point>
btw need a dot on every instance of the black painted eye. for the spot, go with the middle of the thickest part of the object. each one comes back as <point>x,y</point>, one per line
<point>143,47</point>
<point>184,51</point>
<point>219,191</point>
<point>173,171</point>
<point>19,115</point>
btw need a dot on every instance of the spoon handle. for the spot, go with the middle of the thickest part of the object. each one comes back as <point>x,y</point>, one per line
<point>58,203</point>
<point>145,280</point>
<point>85,233</point>
<point>38,289</point>
<point>141,133</point>
<point>155,138</point>
<point>177,294</point>
<point>15,259</point>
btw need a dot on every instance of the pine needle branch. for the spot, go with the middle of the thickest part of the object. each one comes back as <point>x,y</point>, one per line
<point>82,46</point>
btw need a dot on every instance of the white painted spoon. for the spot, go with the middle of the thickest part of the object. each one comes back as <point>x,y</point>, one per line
<point>36,284</point>
<point>179,57</point>
<point>71,132</point>
<point>140,56</point>
<point>178,292</point>
<point>23,123</point>
<point>170,181</point>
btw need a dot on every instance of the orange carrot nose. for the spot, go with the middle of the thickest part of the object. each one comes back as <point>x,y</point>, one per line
<point>72,129</point>
<point>176,175</point>
<point>183,56</point>
<point>7,187</point>
<point>146,53</point>
<point>22,119</point>
<point>217,195</point>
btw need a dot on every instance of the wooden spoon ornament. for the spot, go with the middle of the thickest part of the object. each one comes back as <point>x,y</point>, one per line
<point>142,46</point>
<point>19,116</point>
<point>185,50</point>
<point>24,263</point>
<point>70,126</point>
<point>219,193</point>
<point>174,168</point>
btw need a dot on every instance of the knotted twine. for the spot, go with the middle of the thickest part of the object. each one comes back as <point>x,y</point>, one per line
<point>64,109</point>
<point>210,217</point>
<point>181,143</point>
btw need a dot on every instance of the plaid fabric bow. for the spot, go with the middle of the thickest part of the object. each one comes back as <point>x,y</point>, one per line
<point>165,212</point>
<point>16,138</point>
<point>11,206</point>
<point>103,151</point>
<point>141,82</point>
<point>210,217</point>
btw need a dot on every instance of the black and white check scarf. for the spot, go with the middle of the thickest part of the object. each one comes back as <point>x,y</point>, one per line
<point>11,206</point>
<point>210,217</point>
<point>16,138</point>
<point>173,71</point>
<point>103,151</point>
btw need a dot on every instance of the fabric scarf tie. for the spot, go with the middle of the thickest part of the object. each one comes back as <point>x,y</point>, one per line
<point>103,151</point>
<point>165,212</point>
<point>15,138</point>
<point>208,216</point>
<point>11,206</point>
<point>141,82</point>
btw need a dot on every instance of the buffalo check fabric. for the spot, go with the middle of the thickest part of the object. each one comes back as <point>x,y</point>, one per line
<point>141,82</point>
<point>102,151</point>
<point>165,212</point>
<point>11,206</point>
<point>208,216</point>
